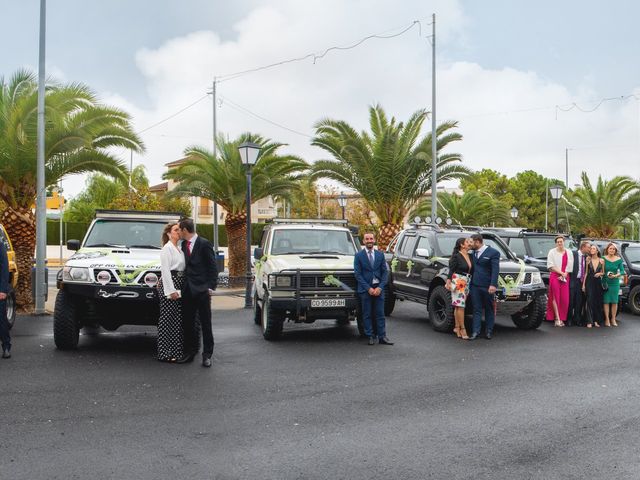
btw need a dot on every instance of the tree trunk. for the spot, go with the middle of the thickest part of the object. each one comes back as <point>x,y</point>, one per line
<point>236,225</point>
<point>387,232</point>
<point>21,227</point>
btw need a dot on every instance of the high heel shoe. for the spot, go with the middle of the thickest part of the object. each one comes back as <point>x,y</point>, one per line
<point>456,330</point>
<point>463,334</point>
<point>614,323</point>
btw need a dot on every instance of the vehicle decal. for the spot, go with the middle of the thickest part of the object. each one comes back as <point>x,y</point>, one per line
<point>508,282</point>
<point>410,265</point>
<point>394,264</point>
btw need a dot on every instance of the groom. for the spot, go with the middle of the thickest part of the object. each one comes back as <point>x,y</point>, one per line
<point>484,283</point>
<point>201,279</point>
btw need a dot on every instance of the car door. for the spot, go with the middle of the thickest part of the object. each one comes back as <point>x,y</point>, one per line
<point>400,262</point>
<point>423,270</point>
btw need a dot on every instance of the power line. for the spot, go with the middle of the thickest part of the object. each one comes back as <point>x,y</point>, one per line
<point>173,115</point>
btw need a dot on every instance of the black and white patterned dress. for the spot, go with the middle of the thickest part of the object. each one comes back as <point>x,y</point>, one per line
<point>170,334</point>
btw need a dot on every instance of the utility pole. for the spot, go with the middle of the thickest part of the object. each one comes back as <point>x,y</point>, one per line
<point>566,165</point>
<point>434,149</point>
<point>546,207</point>
<point>41,201</point>
<point>215,156</point>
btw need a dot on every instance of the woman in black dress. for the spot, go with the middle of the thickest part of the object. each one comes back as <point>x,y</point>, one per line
<point>458,280</point>
<point>592,286</point>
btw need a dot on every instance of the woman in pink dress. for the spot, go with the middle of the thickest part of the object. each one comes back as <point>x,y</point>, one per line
<point>559,262</point>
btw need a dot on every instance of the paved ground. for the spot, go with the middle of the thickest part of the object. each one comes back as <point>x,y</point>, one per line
<point>547,404</point>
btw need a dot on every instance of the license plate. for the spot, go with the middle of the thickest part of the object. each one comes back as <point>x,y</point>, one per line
<point>511,292</point>
<point>328,303</point>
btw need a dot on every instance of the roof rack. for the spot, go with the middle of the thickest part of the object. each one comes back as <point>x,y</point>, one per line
<point>317,221</point>
<point>136,214</point>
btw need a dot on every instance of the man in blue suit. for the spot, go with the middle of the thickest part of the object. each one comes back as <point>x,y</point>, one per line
<point>372,275</point>
<point>484,283</point>
<point>5,337</point>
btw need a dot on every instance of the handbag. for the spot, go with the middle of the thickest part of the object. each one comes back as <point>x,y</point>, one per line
<point>604,284</point>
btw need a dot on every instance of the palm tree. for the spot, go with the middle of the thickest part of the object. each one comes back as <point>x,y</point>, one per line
<point>223,180</point>
<point>78,134</point>
<point>600,212</point>
<point>471,208</point>
<point>390,166</point>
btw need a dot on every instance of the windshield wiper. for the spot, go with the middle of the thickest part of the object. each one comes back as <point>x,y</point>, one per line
<point>111,245</point>
<point>155,247</point>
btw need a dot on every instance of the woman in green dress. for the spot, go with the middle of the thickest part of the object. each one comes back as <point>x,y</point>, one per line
<point>613,270</point>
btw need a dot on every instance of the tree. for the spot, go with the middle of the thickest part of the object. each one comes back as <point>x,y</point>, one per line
<point>223,180</point>
<point>390,166</point>
<point>529,192</point>
<point>79,133</point>
<point>471,208</point>
<point>600,212</point>
<point>488,181</point>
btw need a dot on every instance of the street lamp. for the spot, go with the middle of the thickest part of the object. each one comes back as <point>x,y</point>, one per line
<point>342,201</point>
<point>249,152</point>
<point>514,213</point>
<point>556,193</point>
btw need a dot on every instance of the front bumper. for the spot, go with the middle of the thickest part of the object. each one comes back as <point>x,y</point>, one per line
<point>514,304</point>
<point>124,293</point>
<point>300,308</point>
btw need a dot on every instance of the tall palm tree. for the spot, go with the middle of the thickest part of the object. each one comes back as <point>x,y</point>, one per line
<point>78,134</point>
<point>223,180</point>
<point>471,208</point>
<point>600,212</point>
<point>389,166</point>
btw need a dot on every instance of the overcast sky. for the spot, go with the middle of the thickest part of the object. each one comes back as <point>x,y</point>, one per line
<point>502,68</point>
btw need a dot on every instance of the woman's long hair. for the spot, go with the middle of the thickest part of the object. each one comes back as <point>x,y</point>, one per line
<point>458,245</point>
<point>165,232</point>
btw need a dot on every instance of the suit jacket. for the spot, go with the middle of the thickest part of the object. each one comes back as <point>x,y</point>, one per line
<point>457,264</point>
<point>486,268</point>
<point>4,269</point>
<point>365,273</point>
<point>201,272</point>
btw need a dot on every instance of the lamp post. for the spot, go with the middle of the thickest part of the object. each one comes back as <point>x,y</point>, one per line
<point>342,201</point>
<point>514,213</point>
<point>249,152</point>
<point>556,193</point>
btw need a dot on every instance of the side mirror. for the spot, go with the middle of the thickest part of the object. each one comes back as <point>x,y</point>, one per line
<point>422,252</point>
<point>258,253</point>
<point>73,245</point>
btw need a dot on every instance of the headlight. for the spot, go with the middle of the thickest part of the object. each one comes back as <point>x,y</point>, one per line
<point>536,278</point>
<point>280,281</point>
<point>76,274</point>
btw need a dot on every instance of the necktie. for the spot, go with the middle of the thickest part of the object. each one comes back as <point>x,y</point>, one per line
<point>582,265</point>
<point>189,247</point>
<point>371,257</point>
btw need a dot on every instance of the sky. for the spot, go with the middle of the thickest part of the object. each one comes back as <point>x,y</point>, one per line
<point>525,80</point>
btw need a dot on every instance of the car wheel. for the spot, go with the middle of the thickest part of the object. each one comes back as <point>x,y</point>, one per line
<point>441,310</point>
<point>271,321</point>
<point>634,300</point>
<point>389,300</point>
<point>532,316</point>
<point>11,307</point>
<point>66,327</point>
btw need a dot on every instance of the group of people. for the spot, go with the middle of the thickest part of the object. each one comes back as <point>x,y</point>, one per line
<point>584,287</point>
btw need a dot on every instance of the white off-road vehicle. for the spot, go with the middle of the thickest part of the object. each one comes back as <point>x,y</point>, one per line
<point>304,272</point>
<point>110,281</point>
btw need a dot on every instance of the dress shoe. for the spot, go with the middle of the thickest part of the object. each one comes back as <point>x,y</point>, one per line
<point>385,341</point>
<point>186,358</point>
<point>206,360</point>
<point>473,336</point>
<point>6,353</point>
<point>488,336</point>
<point>372,341</point>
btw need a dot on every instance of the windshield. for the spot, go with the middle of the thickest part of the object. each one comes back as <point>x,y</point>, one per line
<point>540,246</point>
<point>110,233</point>
<point>447,242</point>
<point>287,242</point>
<point>633,254</point>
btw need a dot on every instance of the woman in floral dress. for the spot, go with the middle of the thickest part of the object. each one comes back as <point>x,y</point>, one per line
<point>458,280</point>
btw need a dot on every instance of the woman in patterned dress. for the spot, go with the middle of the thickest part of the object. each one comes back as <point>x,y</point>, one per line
<point>172,265</point>
<point>460,269</point>
<point>613,270</point>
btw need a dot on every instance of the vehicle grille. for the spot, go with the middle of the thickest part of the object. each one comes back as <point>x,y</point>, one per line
<point>316,282</point>
<point>116,276</point>
<point>514,276</point>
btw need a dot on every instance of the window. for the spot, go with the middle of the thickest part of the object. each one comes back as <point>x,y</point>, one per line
<point>302,241</point>
<point>423,242</point>
<point>406,246</point>
<point>517,246</point>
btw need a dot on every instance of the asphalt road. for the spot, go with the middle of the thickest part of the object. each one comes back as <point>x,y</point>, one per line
<point>320,404</point>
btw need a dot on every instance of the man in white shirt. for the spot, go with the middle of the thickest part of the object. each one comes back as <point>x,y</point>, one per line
<point>575,315</point>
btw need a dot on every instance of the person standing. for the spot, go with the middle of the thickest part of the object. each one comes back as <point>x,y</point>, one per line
<point>201,279</point>
<point>613,270</point>
<point>458,279</point>
<point>371,273</point>
<point>484,283</point>
<point>5,336</point>
<point>172,265</point>
<point>592,287</point>
<point>559,263</point>
<point>576,298</point>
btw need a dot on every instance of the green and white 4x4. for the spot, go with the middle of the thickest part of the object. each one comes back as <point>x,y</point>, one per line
<point>304,272</point>
<point>110,280</point>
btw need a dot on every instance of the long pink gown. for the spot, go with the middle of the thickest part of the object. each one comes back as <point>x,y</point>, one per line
<point>558,291</point>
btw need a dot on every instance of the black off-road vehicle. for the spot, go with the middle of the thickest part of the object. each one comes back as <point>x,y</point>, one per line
<point>419,263</point>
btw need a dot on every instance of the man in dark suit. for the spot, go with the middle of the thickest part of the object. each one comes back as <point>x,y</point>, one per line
<point>201,279</point>
<point>484,283</point>
<point>575,315</point>
<point>372,275</point>
<point>5,337</point>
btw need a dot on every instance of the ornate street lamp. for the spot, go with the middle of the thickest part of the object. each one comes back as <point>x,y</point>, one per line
<point>342,201</point>
<point>249,152</point>
<point>514,213</point>
<point>556,193</point>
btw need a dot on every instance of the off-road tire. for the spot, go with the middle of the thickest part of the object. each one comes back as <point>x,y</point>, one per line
<point>441,310</point>
<point>634,300</point>
<point>389,300</point>
<point>11,307</point>
<point>66,327</point>
<point>532,316</point>
<point>271,321</point>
